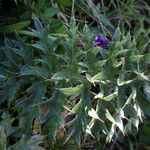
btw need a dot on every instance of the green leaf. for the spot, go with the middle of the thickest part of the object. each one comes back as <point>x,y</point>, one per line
<point>97,78</point>
<point>143,41</point>
<point>80,122</point>
<point>100,95</point>
<point>71,90</point>
<point>28,143</point>
<point>3,139</point>
<point>6,124</point>
<point>132,96</point>
<point>50,12</point>
<point>30,105</point>
<point>15,27</point>
<point>109,117</point>
<point>40,4</point>
<point>101,63</point>
<point>117,34</point>
<point>10,89</point>
<point>39,28</point>
<point>65,3</point>
<point>119,122</point>
<point>65,74</point>
<point>121,81</point>
<point>92,113</point>
<point>53,118</point>
<point>105,20</point>
<point>147,89</point>
<point>111,133</point>
<point>111,96</point>
<point>138,110</point>
<point>25,50</point>
<point>88,131</point>
<point>38,71</point>
<point>142,76</point>
<point>18,52</point>
<point>135,121</point>
<point>119,52</point>
<point>136,58</point>
<point>2,77</point>
<point>116,63</point>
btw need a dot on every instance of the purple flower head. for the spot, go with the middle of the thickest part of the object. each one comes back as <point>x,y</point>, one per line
<point>101,41</point>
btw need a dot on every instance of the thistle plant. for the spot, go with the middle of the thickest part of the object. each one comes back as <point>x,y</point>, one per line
<point>104,96</point>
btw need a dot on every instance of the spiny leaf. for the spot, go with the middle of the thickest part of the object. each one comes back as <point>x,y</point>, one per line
<point>14,27</point>
<point>120,80</point>
<point>105,20</point>
<point>97,78</point>
<point>117,34</point>
<point>92,113</point>
<point>141,75</point>
<point>136,58</point>
<point>28,143</point>
<point>50,12</point>
<point>40,4</point>
<point>111,96</point>
<point>119,122</point>
<point>132,96</point>
<point>71,90</point>
<point>39,28</point>
<point>3,138</point>
<point>109,117</point>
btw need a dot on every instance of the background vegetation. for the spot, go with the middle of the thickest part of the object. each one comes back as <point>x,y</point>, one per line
<point>58,90</point>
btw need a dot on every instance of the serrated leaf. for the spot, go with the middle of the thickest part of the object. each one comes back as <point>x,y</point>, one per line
<point>128,127</point>
<point>120,80</point>
<point>3,139</point>
<point>28,144</point>
<point>147,89</point>
<point>25,50</point>
<point>119,122</point>
<point>119,52</point>
<point>100,95</point>
<point>138,110</point>
<point>18,52</point>
<point>111,96</point>
<point>141,75</point>
<point>71,90</point>
<point>132,96</point>
<point>101,63</point>
<point>117,63</point>
<point>135,121</point>
<point>117,34</point>
<point>2,77</point>
<point>92,113</point>
<point>39,71</point>
<point>136,58</point>
<point>53,118</point>
<point>39,28</point>
<point>105,20</point>
<point>50,12</point>
<point>65,74</point>
<point>40,4</point>
<point>40,46</point>
<point>30,105</point>
<point>65,3</point>
<point>111,133</point>
<point>14,27</point>
<point>97,78</point>
<point>109,117</point>
<point>88,131</point>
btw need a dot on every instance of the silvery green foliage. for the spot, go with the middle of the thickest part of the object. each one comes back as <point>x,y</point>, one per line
<point>106,91</point>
